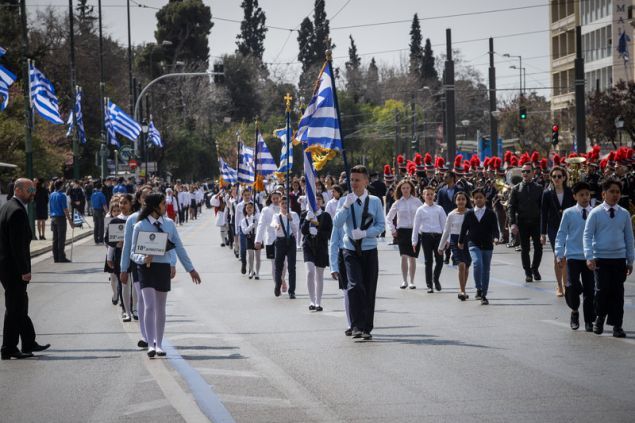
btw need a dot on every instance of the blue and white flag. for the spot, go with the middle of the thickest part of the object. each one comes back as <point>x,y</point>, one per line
<point>246,165</point>
<point>226,172</point>
<point>79,119</point>
<point>155,135</point>
<point>309,177</point>
<point>319,128</point>
<point>286,159</point>
<point>622,46</point>
<point>265,164</point>
<point>122,123</point>
<point>111,136</point>
<point>43,96</point>
<point>7,78</point>
<point>3,51</point>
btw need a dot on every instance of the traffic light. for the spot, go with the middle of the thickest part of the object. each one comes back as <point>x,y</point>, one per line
<point>414,144</point>
<point>219,73</point>
<point>554,134</point>
<point>522,112</point>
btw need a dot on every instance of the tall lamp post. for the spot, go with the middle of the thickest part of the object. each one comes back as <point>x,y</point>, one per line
<point>520,69</point>
<point>144,130</point>
<point>523,72</point>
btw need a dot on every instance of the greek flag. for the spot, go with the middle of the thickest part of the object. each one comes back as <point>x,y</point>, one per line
<point>155,135</point>
<point>122,123</point>
<point>309,177</point>
<point>226,172</point>
<point>111,136</point>
<point>622,46</point>
<point>286,159</point>
<point>265,165</point>
<point>6,80</point>
<point>319,128</point>
<point>246,164</point>
<point>79,119</point>
<point>43,96</point>
<point>3,51</point>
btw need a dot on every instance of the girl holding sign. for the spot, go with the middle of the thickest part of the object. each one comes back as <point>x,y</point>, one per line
<point>155,271</point>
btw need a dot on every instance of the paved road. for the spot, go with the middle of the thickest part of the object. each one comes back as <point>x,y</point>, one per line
<point>236,353</point>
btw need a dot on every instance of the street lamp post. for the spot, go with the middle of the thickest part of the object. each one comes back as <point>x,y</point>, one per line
<point>144,130</point>
<point>523,72</point>
<point>520,69</point>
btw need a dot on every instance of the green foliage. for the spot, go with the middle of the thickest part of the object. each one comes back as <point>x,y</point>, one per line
<point>416,51</point>
<point>252,30</point>
<point>531,132</point>
<point>604,107</point>
<point>242,81</point>
<point>428,69</point>
<point>354,77</point>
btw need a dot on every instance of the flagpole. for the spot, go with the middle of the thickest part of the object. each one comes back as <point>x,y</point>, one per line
<point>103,149</point>
<point>256,160</point>
<point>71,30</point>
<point>329,60</point>
<point>287,100</point>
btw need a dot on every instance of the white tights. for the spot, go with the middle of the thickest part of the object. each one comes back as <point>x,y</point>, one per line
<point>154,315</point>
<point>347,307</point>
<point>314,282</point>
<point>250,261</point>
<point>126,290</point>
<point>113,284</point>
<point>140,310</point>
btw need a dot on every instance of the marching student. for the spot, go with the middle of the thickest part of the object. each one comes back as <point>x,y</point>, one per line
<point>265,234</point>
<point>480,230</point>
<point>184,199</point>
<point>248,228</point>
<point>218,202</point>
<point>450,238</point>
<point>287,228</point>
<point>427,228</point>
<point>171,204</point>
<point>608,249</point>
<point>240,235</point>
<point>404,208</point>
<point>155,272</point>
<point>317,232</point>
<point>362,219</point>
<point>331,205</point>
<point>113,212</point>
<point>338,271</point>
<point>569,252</point>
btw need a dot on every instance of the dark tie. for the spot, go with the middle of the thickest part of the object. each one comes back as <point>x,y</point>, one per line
<point>359,202</point>
<point>584,213</point>
<point>158,225</point>
<point>612,212</point>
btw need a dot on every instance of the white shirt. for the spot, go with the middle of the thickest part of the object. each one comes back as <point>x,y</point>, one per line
<point>240,215</point>
<point>248,224</point>
<point>264,231</point>
<point>428,219</point>
<point>405,211</point>
<point>588,209</point>
<point>452,227</point>
<point>294,224</point>
<point>479,212</point>
<point>184,199</point>
<point>331,207</point>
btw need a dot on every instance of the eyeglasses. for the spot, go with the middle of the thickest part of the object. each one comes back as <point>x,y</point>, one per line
<point>526,171</point>
<point>557,176</point>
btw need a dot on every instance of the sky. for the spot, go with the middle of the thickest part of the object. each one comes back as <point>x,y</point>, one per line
<point>519,28</point>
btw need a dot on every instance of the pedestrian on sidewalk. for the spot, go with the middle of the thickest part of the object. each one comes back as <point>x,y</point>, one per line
<point>15,273</point>
<point>100,208</point>
<point>155,272</point>
<point>316,229</point>
<point>58,209</point>
<point>41,207</point>
<point>450,238</point>
<point>480,231</point>
<point>609,252</point>
<point>569,252</point>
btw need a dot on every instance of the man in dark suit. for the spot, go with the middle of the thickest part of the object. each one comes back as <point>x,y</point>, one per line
<point>15,273</point>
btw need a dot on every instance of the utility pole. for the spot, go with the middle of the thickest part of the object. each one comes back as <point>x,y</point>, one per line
<point>131,98</point>
<point>396,138</point>
<point>413,109</point>
<point>580,121</point>
<point>75,136</point>
<point>450,112</point>
<point>103,149</point>
<point>493,123</point>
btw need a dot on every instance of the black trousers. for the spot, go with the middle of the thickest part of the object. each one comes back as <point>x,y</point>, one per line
<point>580,281</point>
<point>529,232</point>
<point>58,227</point>
<point>17,323</point>
<point>183,215</point>
<point>285,248</point>
<point>501,217</point>
<point>98,225</point>
<point>430,245</point>
<point>610,275</point>
<point>362,272</point>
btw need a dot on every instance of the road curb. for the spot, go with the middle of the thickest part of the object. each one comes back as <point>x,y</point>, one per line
<point>49,248</point>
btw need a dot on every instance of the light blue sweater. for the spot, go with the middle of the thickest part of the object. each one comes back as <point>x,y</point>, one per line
<point>336,242</point>
<point>168,227</point>
<point>127,241</point>
<point>606,238</point>
<point>569,242</point>
<point>344,219</point>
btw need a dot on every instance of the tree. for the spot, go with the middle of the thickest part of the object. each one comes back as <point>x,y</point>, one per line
<point>532,132</point>
<point>605,106</point>
<point>307,54</point>
<point>428,70</point>
<point>252,30</point>
<point>187,25</point>
<point>372,93</point>
<point>416,52</point>
<point>353,72</point>
<point>242,81</point>
<point>322,31</point>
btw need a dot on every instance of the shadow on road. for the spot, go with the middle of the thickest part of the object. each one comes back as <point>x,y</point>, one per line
<point>418,339</point>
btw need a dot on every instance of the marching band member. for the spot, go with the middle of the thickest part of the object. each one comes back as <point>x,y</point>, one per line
<point>404,209</point>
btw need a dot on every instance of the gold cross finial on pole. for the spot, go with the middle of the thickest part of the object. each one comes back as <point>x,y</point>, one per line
<point>287,101</point>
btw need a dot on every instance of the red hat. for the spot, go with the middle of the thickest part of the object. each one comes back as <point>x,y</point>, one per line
<point>466,168</point>
<point>475,162</point>
<point>514,161</point>
<point>419,163</point>
<point>427,160</point>
<point>524,159</point>
<point>593,156</point>
<point>556,159</point>
<point>411,167</point>
<point>487,162</point>
<point>439,164</point>
<point>507,156</point>
<point>611,159</point>
<point>388,175</point>
<point>498,163</point>
<point>457,163</point>
<point>543,165</point>
<point>603,163</point>
<point>535,157</point>
<point>401,163</point>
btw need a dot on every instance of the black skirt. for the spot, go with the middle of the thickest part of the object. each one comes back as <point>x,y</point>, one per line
<point>250,241</point>
<point>156,276</point>
<point>404,239</point>
<point>342,279</point>
<point>271,251</point>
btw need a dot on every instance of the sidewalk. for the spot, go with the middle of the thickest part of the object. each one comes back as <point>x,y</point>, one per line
<point>41,247</point>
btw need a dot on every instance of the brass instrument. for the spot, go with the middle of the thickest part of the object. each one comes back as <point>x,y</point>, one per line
<point>574,170</point>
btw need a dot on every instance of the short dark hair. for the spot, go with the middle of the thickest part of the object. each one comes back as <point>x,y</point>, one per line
<point>429,188</point>
<point>338,189</point>
<point>606,185</point>
<point>58,184</point>
<point>360,169</point>
<point>478,191</point>
<point>450,173</point>
<point>580,186</point>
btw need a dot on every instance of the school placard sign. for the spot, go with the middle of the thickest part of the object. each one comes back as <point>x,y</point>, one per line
<point>151,243</point>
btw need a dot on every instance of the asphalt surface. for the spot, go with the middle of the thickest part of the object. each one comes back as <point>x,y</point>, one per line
<point>236,353</point>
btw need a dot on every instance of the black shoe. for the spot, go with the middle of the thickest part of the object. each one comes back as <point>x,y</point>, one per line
<point>257,277</point>
<point>134,316</point>
<point>356,333</point>
<point>36,348</point>
<point>291,296</point>
<point>575,320</point>
<point>115,302</point>
<point>462,296</point>
<point>479,294</point>
<point>437,286</point>
<point>161,353</point>
<point>529,278</point>
<point>152,353</point>
<point>484,301</point>
<point>348,332</point>
<point>366,336</point>
<point>312,307</point>
<point>222,245</point>
<point>243,268</point>
<point>142,344</point>
<point>446,261</point>
<point>65,260</point>
<point>318,308</point>
<point>18,355</point>
<point>518,249</point>
<point>536,274</point>
<point>276,290</point>
<point>588,327</point>
<point>430,290</point>
<point>619,333</point>
<point>598,325</point>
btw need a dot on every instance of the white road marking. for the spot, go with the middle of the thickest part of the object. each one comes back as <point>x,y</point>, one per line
<point>225,372</point>
<point>266,401</point>
<point>142,407</point>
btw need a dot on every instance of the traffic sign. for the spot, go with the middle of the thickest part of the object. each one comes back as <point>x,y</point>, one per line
<point>133,164</point>
<point>126,153</point>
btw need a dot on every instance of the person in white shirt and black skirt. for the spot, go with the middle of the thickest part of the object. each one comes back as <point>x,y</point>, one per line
<point>316,229</point>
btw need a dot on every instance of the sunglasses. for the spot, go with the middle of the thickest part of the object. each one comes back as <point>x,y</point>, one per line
<point>526,171</point>
<point>557,176</point>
